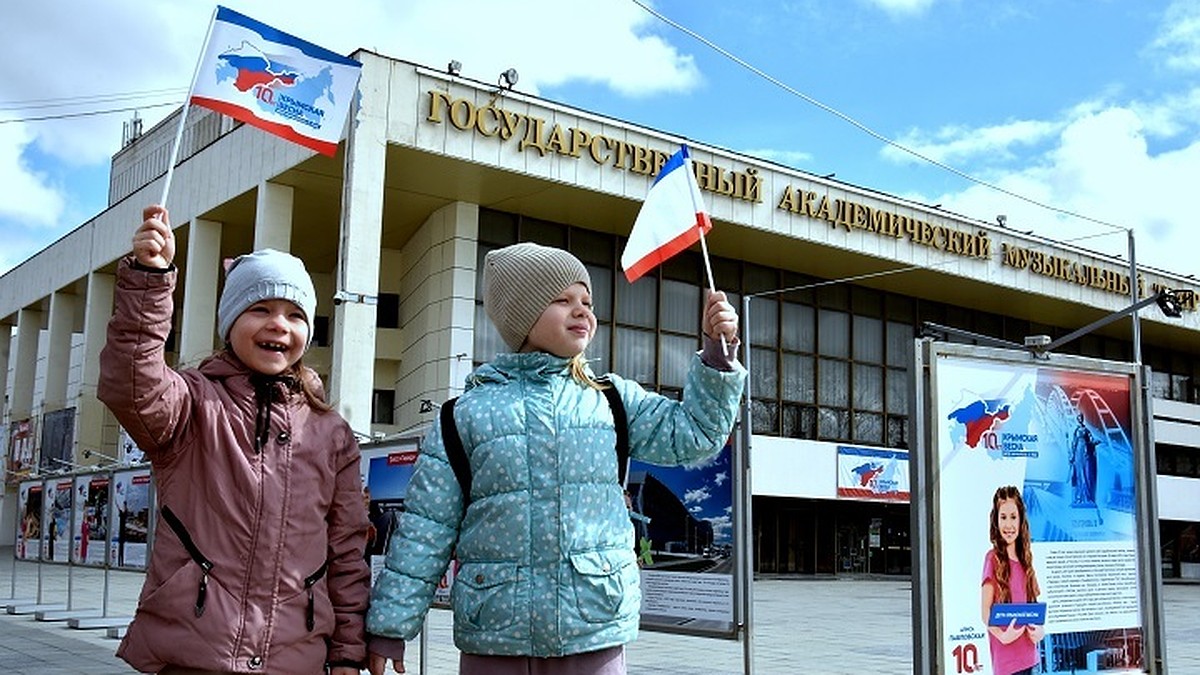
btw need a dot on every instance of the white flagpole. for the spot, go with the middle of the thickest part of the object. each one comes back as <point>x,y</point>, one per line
<point>698,208</point>
<point>187,102</point>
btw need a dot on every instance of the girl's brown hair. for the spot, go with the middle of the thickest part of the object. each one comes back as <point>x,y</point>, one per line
<point>1024,549</point>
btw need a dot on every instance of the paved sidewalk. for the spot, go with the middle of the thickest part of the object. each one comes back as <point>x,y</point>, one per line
<point>802,626</point>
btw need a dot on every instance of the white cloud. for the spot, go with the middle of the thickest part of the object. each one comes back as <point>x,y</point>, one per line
<point>1178,43</point>
<point>902,7</point>
<point>696,496</point>
<point>952,144</point>
<point>31,198</point>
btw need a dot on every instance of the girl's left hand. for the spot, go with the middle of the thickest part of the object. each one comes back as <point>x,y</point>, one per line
<point>720,319</point>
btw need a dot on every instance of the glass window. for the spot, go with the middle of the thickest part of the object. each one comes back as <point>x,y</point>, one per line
<point>764,417</point>
<point>799,421</point>
<point>897,391</point>
<point>680,310</point>
<point>759,279</point>
<point>868,388</point>
<point>686,266</point>
<point>383,406</point>
<point>764,373</point>
<point>867,302</point>
<point>496,228</point>
<point>488,342</point>
<point>833,425</point>
<point>834,296</point>
<point>897,432</point>
<point>868,428</point>
<point>798,334</point>
<point>764,322</point>
<point>834,383</point>
<point>602,297</point>
<point>899,344</point>
<point>637,302</point>
<point>868,339</point>
<point>799,378</point>
<point>598,351</point>
<point>833,333</point>
<point>543,232</point>
<point>593,248</point>
<point>900,308</point>
<point>676,354</point>
<point>634,355</point>
<point>1160,384</point>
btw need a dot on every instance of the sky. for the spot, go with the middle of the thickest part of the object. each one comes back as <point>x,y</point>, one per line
<point>1078,120</point>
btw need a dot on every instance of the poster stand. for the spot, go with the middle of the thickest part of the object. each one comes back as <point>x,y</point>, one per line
<point>70,611</point>
<point>39,604</point>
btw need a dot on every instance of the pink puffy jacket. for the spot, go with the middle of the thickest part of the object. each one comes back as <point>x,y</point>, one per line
<point>257,564</point>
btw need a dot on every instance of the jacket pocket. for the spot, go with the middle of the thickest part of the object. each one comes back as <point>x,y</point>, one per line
<point>605,583</point>
<point>205,564</point>
<point>484,596</point>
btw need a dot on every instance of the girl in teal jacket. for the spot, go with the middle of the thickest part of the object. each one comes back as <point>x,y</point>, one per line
<point>548,581</point>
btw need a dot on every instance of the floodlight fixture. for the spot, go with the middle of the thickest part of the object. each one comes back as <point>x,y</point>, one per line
<point>508,78</point>
<point>454,67</point>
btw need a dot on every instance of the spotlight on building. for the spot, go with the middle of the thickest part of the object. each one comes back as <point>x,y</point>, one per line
<point>1002,220</point>
<point>508,78</point>
<point>1171,302</point>
<point>454,68</point>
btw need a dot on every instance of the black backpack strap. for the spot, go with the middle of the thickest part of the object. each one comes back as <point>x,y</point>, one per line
<point>455,451</point>
<point>621,425</point>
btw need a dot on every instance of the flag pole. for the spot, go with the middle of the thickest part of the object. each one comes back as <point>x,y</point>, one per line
<point>699,208</point>
<point>187,102</point>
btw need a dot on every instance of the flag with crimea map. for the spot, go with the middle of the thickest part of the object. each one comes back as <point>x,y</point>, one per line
<point>275,81</point>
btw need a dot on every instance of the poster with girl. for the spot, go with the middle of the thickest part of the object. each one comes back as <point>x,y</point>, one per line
<point>1035,518</point>
<point>91,519</point>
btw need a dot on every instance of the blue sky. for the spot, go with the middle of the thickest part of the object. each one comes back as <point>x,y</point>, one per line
<point>1090,108</point>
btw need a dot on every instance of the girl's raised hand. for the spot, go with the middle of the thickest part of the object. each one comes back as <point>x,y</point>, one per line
<point>154,241</point>
<point>720,319</point>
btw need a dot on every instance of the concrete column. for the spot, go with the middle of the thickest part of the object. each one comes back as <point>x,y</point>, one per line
<point>92,418</point>
<point>198,322</point>
<point>29,326</point>
<point>58,356</point>
<point>352,374</point>
<point>273,216</point>
<point>5,344</point>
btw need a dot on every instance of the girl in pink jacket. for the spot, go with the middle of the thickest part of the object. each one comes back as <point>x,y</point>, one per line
<point>257,564</point>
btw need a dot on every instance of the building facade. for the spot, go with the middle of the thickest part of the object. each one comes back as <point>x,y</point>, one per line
<point>437,170</point>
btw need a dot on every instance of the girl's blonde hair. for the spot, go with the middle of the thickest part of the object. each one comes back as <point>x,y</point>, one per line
<point>579,371</point>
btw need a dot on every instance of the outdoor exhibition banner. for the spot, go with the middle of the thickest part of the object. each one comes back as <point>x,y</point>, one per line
<point>683,538</point>
<point>29,520</point>
<point>91,508</point>
<point>385,470</point>
<point>872,473</point>
<point>131,497</point>
<point>20,450</point>
<point>56,519</point>
<point>1035,513</point>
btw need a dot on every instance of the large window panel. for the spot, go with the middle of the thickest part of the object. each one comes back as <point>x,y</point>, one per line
<point>833,333</point>
<point>899,344</point>
<point>543,232</point>
<point>496,228</point>
<point>764,373</point>
<point>593,248</point>
<point>897,391</point>
<point>637,303</point>
<point>799,378</point>
<point>602,297</point>
<point>897,432</point>
<point>677,353</point>
<point>833,380</point>
<point>799,421</point>
<point>487,341</point>
<point>868,339</point>
<point>634,355</point>
<point>598,352</point>
<point>833,424</point>
<point>763,323</point>
<point>764,417</point>
<point>681,307</point>
<point>868,388</point>
<point>799,334</point>
<point>868,428</point>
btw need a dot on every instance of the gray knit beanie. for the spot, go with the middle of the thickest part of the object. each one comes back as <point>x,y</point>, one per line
<point>521,280</point>
<point>265,275</point>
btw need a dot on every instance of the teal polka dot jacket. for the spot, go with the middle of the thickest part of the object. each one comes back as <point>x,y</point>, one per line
<point>545,546</point>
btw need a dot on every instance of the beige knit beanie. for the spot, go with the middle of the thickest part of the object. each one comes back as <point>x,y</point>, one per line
<point>521,280</point>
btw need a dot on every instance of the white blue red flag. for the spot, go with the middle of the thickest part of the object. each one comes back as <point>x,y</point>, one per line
<point>275,81</point>
<point>672,218</point>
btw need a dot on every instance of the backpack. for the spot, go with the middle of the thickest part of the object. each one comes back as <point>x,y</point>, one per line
<point>457,454</point>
